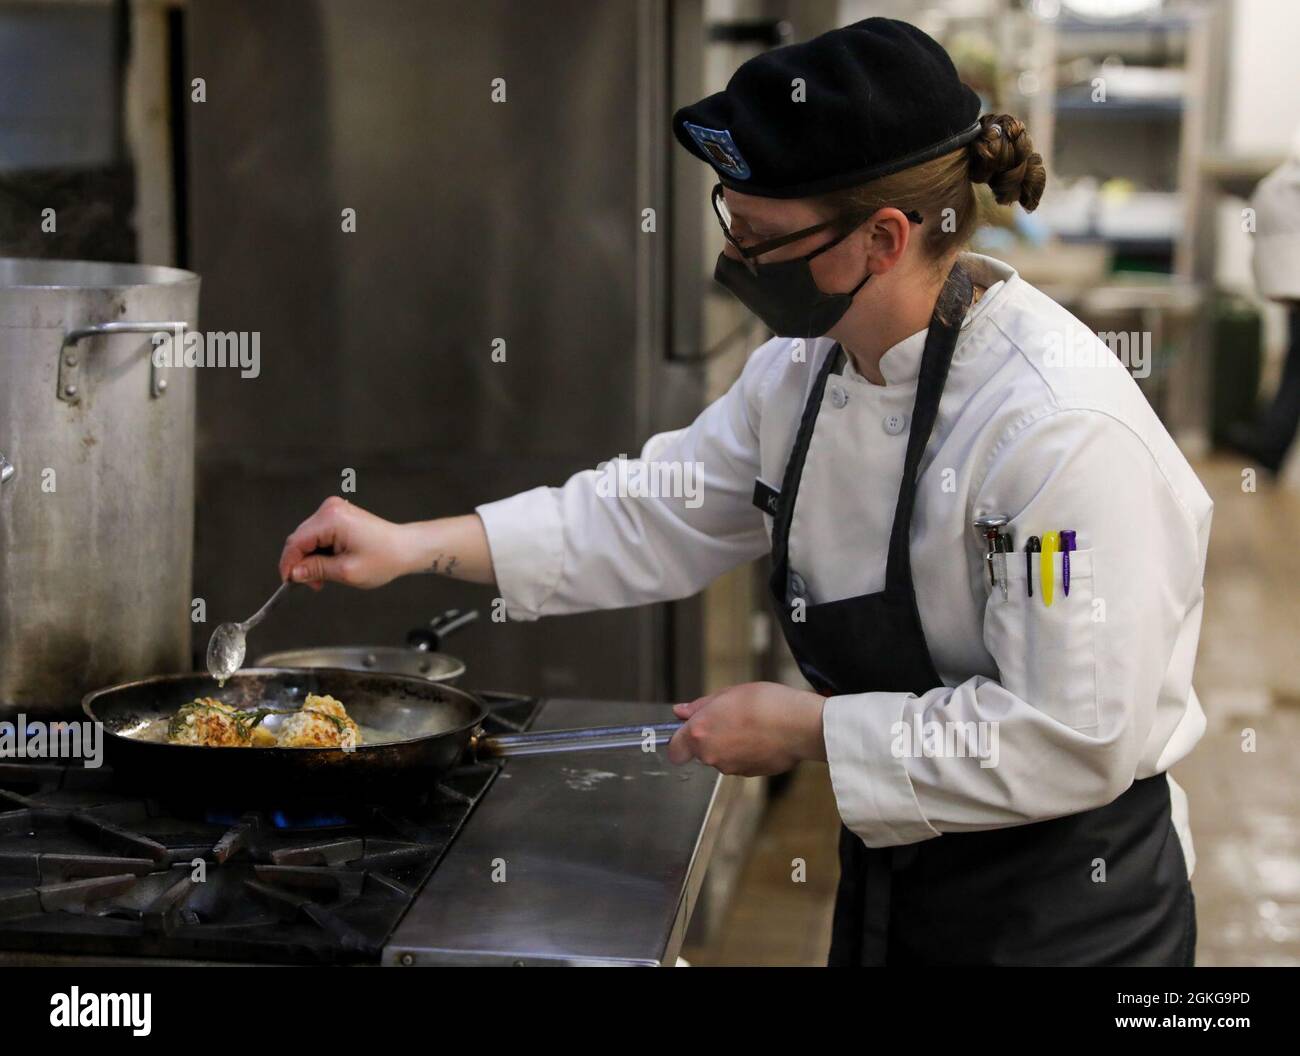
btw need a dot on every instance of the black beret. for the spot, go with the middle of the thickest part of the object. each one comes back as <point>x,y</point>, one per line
<point>879,96</point>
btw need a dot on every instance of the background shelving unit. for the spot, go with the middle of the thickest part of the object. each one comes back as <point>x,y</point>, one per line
<point>1122,111</point>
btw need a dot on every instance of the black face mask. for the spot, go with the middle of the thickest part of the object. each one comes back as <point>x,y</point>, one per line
<point>784,295</point>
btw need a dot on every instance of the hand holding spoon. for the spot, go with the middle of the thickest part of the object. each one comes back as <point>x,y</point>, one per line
<point>229,642</point>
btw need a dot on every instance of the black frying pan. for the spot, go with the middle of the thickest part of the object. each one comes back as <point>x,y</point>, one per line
<point>414,731</point>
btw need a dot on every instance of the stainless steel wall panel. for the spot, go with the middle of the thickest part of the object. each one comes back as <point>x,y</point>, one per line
<point>476,220</point>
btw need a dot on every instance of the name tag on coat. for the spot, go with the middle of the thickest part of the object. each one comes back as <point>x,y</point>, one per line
<point>766,497</point>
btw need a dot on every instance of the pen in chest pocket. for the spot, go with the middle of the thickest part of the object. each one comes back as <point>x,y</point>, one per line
<point>1032,546</point>
<point>1067,544</point>
<point>1046,569</point>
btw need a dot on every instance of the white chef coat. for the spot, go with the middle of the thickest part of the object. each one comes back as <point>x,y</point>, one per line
<point>1276,201</point>
<point>1038,421</point>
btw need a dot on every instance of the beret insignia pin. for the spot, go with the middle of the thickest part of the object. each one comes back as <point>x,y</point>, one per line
<point>720,149</point>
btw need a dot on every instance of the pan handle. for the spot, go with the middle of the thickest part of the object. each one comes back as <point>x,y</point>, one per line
<point>429,638</point>
<point>549,742</point>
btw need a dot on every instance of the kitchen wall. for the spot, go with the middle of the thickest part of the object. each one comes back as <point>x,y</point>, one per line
<point>476,222</point>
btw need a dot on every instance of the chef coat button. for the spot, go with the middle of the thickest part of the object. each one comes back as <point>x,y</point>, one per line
<point>798,587</point>
<point>894,423</point>
<point>838,396</point>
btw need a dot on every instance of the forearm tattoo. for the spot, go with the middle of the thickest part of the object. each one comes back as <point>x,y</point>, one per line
<point>444,565</point>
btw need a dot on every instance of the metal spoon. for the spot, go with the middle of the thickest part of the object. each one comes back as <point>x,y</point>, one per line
<point>228,643</point>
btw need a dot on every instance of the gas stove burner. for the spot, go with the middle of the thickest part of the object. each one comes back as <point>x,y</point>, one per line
<point>89,868</point>
<point>292,819</point>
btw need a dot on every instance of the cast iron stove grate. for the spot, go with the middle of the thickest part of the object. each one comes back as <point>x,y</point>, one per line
<point>85,869</point>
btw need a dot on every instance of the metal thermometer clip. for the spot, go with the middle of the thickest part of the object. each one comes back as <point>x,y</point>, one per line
<point>1006,545</point>
<point>989,527</point>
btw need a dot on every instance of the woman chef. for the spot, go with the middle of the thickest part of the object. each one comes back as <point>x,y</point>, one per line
<point>998,755</point>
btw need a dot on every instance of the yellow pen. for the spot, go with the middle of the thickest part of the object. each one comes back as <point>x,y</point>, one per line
<point>1046,566</point>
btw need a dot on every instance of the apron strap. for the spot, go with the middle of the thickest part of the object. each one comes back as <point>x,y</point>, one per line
<point>945,325</point>
<point>794,464</point>
<point>940,341</point>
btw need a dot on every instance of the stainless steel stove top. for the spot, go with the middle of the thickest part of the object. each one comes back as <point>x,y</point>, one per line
<point>590,858</point>
<point>86,869</point>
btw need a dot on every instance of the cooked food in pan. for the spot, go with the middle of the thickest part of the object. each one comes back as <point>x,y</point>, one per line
<point>212,724</point>
<point>322,722</point>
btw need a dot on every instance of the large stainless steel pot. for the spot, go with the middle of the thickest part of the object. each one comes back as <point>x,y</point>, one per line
<point>96,479</point>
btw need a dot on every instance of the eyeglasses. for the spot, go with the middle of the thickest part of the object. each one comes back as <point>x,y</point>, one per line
<point>748,256</point>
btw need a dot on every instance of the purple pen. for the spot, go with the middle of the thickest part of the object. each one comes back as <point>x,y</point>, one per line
<point>1067,544</point>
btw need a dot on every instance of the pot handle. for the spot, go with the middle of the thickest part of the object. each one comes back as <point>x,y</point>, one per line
<point>428,639</point>
<point>551,742</point>
<point>7,469</point>
<point>70,358</point>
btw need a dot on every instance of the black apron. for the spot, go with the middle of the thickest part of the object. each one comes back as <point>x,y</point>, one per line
<point>1023,895</point>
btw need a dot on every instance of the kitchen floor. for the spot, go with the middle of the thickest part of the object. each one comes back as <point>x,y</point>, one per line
<point>1243,803</point>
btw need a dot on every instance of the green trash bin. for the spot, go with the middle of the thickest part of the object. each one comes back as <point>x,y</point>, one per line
<point>1238,352</point>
